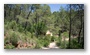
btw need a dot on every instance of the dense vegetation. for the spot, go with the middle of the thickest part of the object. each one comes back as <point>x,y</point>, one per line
<point>25,26</point>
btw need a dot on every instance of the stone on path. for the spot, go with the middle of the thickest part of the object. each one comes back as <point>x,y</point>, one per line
<point>53,45</point>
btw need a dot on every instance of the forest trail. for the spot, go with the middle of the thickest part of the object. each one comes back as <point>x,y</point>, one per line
<point>52,45</point>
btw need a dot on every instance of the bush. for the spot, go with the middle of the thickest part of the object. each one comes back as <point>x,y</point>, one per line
<point>40,28</point>
<point>20,28</point>
<point>75,44</point>
<point>13,25</point>
<point>65,34</point>
<point>5,32</point>
<point>46,43</point>
<point>37,46</point>
<point>6,40</point>
<point>6,26</point>
<point>42,42</point>
<point>14,39</point>
<point>9,46</point>
<point>53,39</point>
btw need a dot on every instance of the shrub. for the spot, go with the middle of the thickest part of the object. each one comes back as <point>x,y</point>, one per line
<point>6,26</point>
<point>46,40</point>
<point>42,42</point>
<point>13,25</point>
<point>46,43</point>
<point>20,28</point>
<point>9,46</point>
<point>75,44</point>
<point>6,40</point>
<point>52,38</point>
<point>14,39</point>
<point>37,46</point>
<point>5,31</point>
<point>40,28</point>
<point>65,34</point>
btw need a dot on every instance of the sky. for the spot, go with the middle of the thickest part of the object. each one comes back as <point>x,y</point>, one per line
<point>56,7</point>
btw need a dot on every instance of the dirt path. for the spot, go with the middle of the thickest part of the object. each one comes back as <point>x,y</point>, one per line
<point>52,45</point>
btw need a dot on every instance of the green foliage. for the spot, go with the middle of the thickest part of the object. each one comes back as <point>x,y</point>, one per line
<point>46,43</point>
<point>40,28</point>
<point>53,38</point>
<point>6,26</point>
<point>65,34</point>
<point>6,40</point>
<point>13,25</point>
<point>75,44</point>
<point>43,42</point>
<point>14,39</point>
<point>20,28</point>
<point>29,23</point>
<point>9,46</point>
<point>58,43</point>
<point>64,44</point>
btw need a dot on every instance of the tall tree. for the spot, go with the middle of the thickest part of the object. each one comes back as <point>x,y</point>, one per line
<point>70,29</point>
<point>81,13</point>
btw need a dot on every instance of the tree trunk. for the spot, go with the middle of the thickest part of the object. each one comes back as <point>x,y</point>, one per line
<point>79,39</point>
<point>83,36</point>
<point>28,15</point>
<point>5,13</point>
<point>79,35</point>
<point>27,18</point>
<point>70,28</point>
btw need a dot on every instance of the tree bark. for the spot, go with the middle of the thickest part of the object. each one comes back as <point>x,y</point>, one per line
<point>79,38</point>
<point>83,36</point>
<point>70,29</point>
<point>28,15</point>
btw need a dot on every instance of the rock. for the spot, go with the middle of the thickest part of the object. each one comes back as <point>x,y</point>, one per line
<point>45,48</point>
<point>53,45</point>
